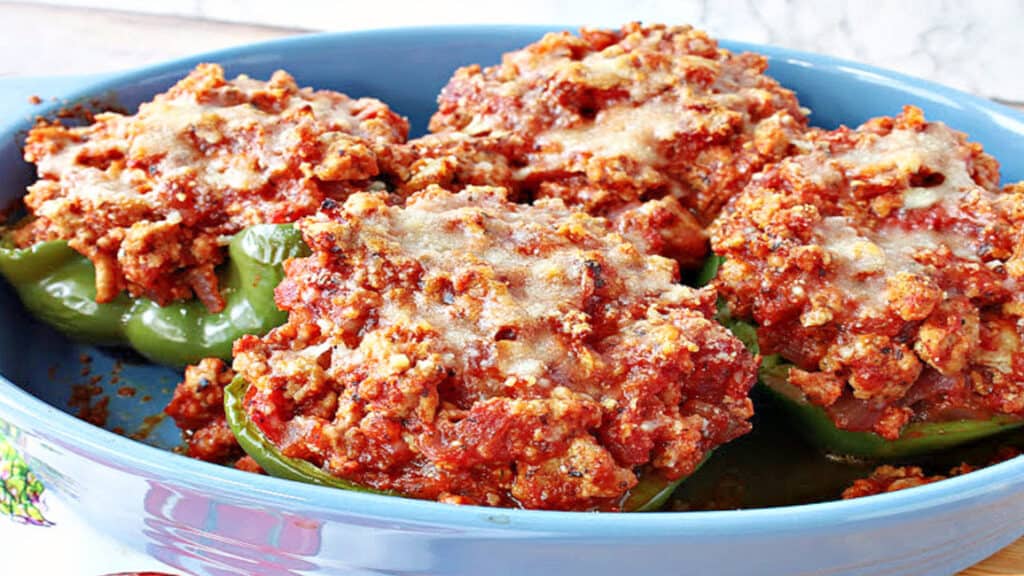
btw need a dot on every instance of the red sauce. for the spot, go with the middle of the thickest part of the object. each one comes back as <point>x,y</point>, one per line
<point>197,408</point>
<point>471,350</point>
<point>150,197</point>
<point>886,264</point>
<point>610,119</point>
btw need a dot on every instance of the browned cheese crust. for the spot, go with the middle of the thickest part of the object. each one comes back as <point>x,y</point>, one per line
<point>451,160</point>
<point>151,198</point>
<point>469,349</point>
<point>610,119</point>
<point>886,264</point>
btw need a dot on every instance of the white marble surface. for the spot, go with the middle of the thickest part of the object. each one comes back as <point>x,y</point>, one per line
<point>975,46</point>
<point>38,40</point>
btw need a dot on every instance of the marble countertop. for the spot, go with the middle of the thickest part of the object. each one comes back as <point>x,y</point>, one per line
<point>974,46</point>
<point>81,41</point>
<point>971,46</point>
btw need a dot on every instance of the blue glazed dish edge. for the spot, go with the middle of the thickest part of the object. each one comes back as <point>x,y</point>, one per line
<point>26,411</point>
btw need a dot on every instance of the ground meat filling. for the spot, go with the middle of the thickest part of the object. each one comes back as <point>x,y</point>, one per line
<point>609,119</point>
<point>451,160</point>
<point>151,198</point>
<point>893,478</point>
<point>472,350</point>
<point>198,410</point>
<point>886,264</point>
<point>889,479</point>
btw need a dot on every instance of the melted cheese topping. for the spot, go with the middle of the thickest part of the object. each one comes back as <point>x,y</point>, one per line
<point>238,146</point>
<point>197,163</point>
<point>463,333</point>
<point>865,259</point>
<point>630,132</point>
<point>933,151</point>
<point>879,262</point>
<point>535,291</point>
<point>610,118</point>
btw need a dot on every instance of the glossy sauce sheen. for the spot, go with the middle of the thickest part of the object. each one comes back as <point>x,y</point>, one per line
<point>468,349</point>
<point>886,264</point>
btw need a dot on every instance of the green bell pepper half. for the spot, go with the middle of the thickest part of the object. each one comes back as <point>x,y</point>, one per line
<point>817,427</point>
<point>266,454</point>
<point>653,490</point>
<point>58,285</point>
<point>915,439</point>
<point>650,494</point>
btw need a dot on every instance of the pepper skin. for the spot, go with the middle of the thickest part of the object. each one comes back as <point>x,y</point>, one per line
<point>915,439</point>
<point>653,490</point>
<point>649,495</point>
<point>814,423</point>
<point>256,445</point>
<point>57,285</point>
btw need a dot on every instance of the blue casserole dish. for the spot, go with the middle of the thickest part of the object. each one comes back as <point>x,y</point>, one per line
<point>212,520</point>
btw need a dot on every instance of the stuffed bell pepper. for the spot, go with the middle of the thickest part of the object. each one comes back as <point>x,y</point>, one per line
<point>165,230</point>
<point>881,274</point>
<point>467,349</point>
<point>654,127</point>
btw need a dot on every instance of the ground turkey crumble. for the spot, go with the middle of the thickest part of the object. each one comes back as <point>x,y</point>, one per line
<point>152,198</point>
<point>197,408</point>
<point>607,120</point>
<point>886,265</point>
<point>469,349</point>
<point>888,478</point>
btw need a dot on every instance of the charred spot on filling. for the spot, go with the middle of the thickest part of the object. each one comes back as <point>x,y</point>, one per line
<point>492,371</point>
<point>594,270</point>
<point>150,197</point>
<point>610,120</point>
<point>884,263</point>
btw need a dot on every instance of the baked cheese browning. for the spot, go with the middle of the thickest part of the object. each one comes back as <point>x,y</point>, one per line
<point>454,160</point>
<point>451,160</point>
<point>609,119</point>
<point>151,198</point>
<point>469,349</point>
<point>884,262</point>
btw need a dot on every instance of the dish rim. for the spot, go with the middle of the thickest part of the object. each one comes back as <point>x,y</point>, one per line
<point>26,411</point>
